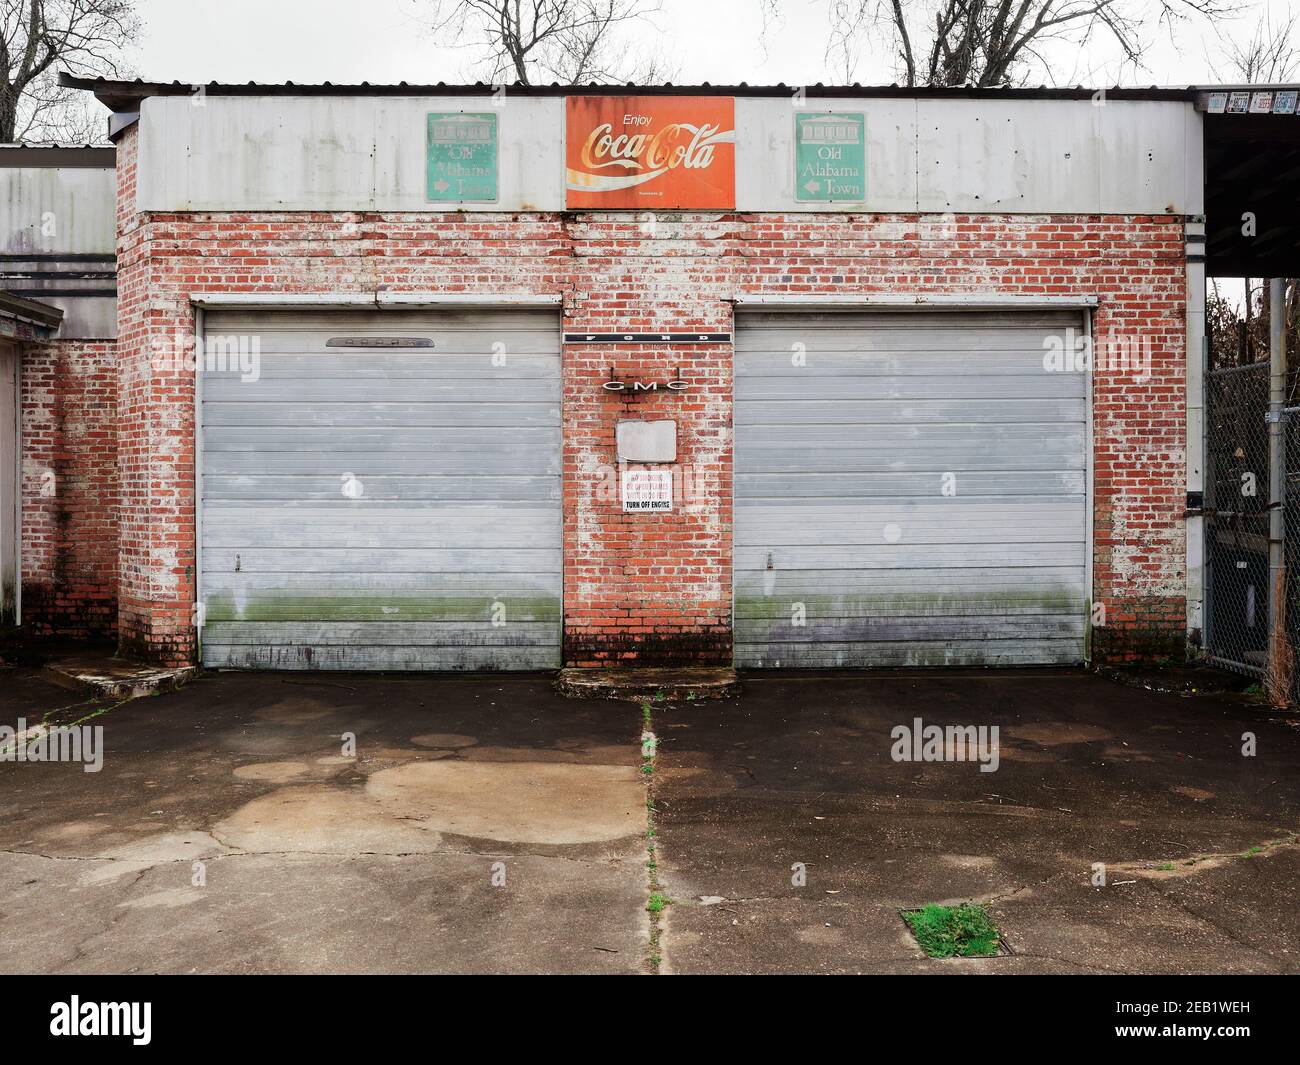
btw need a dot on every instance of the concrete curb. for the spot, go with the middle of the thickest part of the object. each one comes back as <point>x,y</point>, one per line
<point>648,684</point>
<point>116,678</point>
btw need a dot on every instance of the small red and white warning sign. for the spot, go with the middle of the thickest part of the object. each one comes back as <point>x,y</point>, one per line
<point>647,489</point>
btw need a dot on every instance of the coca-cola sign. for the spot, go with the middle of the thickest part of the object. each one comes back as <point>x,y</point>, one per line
<point>651,152</point>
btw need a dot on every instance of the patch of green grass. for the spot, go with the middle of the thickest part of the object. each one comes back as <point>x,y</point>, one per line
<point>1168,867</point>
<point>657,903</point>
<point>964,931</point>
<point>1254,851</point>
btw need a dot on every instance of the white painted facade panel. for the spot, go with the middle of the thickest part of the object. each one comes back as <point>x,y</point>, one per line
<point>1022,156</point>
<point>382,507</point>
<point>1152,154</point>
<point>58,210</point>
<point>344,153</point>
<point>911,491</point>
<point>1008,156</point>
<point>329,152</point>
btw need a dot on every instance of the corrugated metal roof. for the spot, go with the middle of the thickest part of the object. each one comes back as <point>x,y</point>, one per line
<point>125,95</point>
<point>64,145</point>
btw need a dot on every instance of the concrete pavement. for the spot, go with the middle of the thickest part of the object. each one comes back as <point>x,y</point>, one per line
<point>1152,787</point>
<point>483,823</point>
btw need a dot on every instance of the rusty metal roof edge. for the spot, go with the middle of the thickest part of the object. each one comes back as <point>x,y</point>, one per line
<point>123,95</point>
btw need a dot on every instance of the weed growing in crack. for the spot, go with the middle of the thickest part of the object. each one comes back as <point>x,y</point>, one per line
<point>657,903</point>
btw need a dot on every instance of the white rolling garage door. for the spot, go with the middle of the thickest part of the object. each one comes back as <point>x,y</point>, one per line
<point>910,490</point>
<point>367,506</point>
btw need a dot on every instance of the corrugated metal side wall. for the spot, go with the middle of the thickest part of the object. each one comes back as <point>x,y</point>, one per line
<point>385,507</point>
<point>910,490</point>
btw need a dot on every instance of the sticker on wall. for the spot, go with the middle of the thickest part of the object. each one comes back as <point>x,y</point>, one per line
<point>462,158</point>
<point>830,158</point>
<point>650,152</point>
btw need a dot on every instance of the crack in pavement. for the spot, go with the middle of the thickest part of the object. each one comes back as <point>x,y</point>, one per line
<point>1210,922</point>
<point>79,951</point>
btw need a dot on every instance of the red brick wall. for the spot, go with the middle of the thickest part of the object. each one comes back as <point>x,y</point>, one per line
<point>656,588</point>
<point>70,488</point>
<point>1139,458</point>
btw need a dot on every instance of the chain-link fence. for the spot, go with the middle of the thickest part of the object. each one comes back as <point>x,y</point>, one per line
<point>1287,671</point>
<point>1236,516</point>
<point>1246,629</point>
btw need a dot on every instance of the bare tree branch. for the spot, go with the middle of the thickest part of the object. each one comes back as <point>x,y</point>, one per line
<point>1268,56</point>
<point>568,41</point>
<point>85,37</point>
<point>989,43</point>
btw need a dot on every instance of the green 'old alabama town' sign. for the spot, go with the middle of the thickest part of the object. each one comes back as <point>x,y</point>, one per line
<point>830,158</point>
<point>462,158</point>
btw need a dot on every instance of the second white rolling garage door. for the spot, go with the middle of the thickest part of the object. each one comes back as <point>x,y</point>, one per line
<point>385,494</point>
<point>910,490</point>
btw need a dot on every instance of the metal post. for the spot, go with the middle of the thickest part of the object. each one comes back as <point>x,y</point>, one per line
<point>1194,382</point>
<point>1276,518</point>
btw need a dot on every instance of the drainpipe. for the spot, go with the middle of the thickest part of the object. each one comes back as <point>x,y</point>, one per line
<point>1276,401</point>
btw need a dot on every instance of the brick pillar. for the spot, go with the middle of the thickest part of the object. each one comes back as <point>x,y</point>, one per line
<point>646,588</point>
<point>155,444</point>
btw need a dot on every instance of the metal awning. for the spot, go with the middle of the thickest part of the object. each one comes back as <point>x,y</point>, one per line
<point>1252,171</point>
<point>26,319</point>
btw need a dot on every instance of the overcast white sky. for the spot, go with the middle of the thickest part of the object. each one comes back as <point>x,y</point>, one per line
<point>712,40</point>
